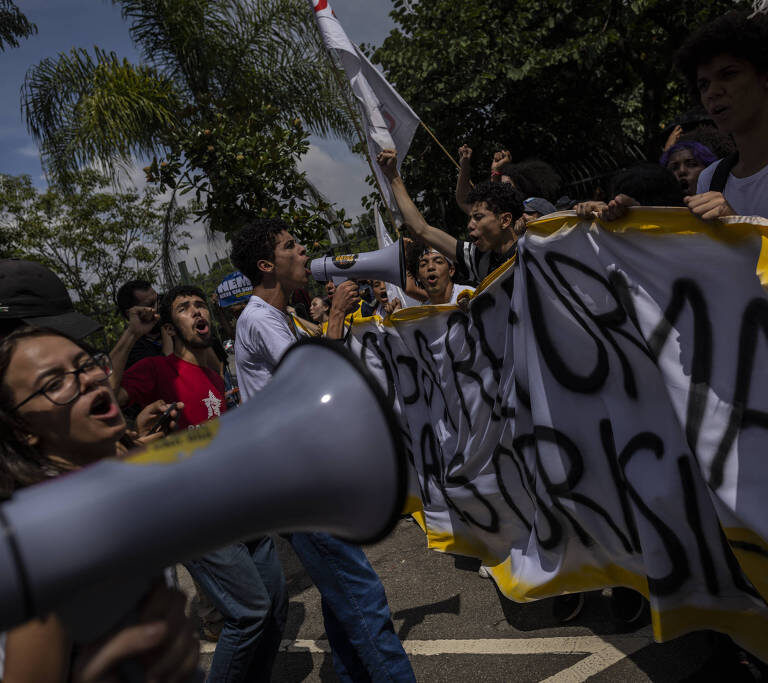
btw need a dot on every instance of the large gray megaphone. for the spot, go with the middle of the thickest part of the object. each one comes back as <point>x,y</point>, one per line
<point>317,450</point>
<point>387,264</point>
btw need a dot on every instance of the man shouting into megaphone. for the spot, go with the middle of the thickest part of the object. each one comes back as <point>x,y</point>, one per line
<point>357,619</point>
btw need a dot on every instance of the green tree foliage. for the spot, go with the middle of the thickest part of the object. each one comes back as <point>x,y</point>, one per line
<point>13,25</point>
<point>241,166</point>
<point>94,239</point>
<point>245,71</point>
<point>555,79</point>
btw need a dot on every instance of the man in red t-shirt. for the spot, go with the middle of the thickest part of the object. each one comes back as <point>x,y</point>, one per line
<point>244,581</point>
<point>183,375</point>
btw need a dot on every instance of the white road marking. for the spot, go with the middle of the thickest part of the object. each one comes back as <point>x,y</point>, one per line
<point>611,653</point>
<point>603,652</point>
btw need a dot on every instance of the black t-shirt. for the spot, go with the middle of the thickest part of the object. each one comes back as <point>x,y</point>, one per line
<point>143,348</point>
<point>473,265</point>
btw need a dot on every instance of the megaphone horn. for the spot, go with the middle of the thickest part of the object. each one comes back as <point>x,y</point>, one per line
<point>318,449</point>
<point>387,264</point>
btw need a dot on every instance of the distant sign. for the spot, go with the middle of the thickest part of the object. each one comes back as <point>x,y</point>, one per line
<point>234,289</point>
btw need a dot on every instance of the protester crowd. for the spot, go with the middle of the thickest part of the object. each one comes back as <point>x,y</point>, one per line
<point>64,404</point>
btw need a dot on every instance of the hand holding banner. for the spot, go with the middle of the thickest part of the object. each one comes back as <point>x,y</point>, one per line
<point>598,416</point>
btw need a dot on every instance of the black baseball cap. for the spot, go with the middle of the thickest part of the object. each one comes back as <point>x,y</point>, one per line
<point>30,292</point>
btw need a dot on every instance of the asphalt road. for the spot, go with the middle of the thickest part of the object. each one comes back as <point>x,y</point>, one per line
<point>457,627</point>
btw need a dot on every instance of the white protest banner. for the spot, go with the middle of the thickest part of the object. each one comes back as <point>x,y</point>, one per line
<point>599,416</point>
<point>388,121</point>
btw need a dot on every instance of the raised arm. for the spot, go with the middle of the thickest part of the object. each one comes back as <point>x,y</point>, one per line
<point>500,160</point>
<point>141,320</point>
<point>414,221</point>
<point>463,183</point>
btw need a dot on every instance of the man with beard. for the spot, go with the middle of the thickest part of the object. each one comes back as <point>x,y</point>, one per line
<point>183,375</point>
<point>244,580</point>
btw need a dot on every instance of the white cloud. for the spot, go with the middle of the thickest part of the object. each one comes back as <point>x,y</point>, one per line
<point>199,244</point>
<point>337,173</point>
<point>28,151</point>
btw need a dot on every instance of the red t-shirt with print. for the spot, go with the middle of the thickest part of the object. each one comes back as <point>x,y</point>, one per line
<point>170,378</point>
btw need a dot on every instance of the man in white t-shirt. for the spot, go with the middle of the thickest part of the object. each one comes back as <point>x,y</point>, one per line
<point>265,329</point>
<point>435,275</point>
<point>355,610</point>
<point>726,64</point>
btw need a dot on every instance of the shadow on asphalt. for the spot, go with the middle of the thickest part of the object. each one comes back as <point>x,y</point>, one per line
<point>701,656</point>
<point>596,615</point>
<point>413,616</point>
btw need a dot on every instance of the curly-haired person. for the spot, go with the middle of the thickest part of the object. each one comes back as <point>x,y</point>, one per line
<point>725,64</point>
<point>356,615</point>
<point>492,237</point>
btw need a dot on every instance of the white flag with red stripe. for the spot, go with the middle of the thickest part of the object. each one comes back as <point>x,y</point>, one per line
<point>388,121</point>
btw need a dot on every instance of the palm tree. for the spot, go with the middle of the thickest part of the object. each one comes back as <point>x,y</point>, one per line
<point>201,59</point>
<point>197,55</point>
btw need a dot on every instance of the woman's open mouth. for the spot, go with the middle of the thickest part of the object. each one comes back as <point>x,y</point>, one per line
<point>103,407</point>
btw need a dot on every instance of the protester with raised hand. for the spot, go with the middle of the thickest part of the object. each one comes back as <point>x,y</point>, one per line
<point>57,414</point>
<point>725,64</point>
<point>495,209</point>
<point>500,159</point>
<point>141,321</point>
<point>463,182</point>
<point>140,295</point>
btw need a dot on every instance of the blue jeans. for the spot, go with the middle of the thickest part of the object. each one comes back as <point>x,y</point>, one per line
<point>245,582</point>
<point>357,620</point>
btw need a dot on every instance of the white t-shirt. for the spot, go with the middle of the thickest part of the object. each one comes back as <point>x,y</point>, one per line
<point>457,289</point>
<point>748,196</point>
<point>263,335</point>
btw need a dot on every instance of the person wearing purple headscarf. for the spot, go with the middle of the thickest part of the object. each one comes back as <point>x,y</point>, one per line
<point>687,159</point>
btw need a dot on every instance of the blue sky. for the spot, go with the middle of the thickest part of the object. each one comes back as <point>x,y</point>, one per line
<point>64,24</point>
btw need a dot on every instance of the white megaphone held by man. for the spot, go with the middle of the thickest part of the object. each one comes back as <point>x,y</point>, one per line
<point>387,264</point>
<point>318,449</point>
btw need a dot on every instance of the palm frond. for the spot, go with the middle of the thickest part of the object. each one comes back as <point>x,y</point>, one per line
<point>96,109</point>
<point>13,25</point>
<point>244,53</point>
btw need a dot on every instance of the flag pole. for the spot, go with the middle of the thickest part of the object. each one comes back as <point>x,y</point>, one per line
<point>447,153</point>
<point>361,135</point>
